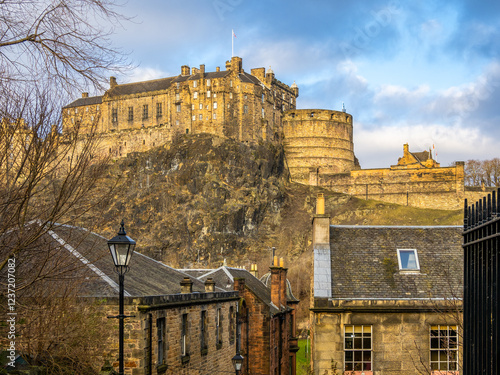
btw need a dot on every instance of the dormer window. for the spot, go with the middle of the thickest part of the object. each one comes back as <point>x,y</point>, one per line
<point>408,260</point>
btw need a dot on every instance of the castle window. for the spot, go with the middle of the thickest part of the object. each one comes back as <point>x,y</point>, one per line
<point>176,122</point>
<point>194,117</point>
<point>195,83</point>
<point>214,116</point>
<point>230,95</point>
<point>177,85</point>
<point>192,107</point>
<point>92,118</point>
<point>76,110</point>
<point>283,96</point>
<point>444,349</point>
<point>114,115</point>
<point>262,98</point>
<point>159,110</point>
<point>228,105</point>
<point>263,113</point>
<point>143,141</point>
<point>177,97</point>
<point>408,259</point>
<point>208,82</point>
<point>245,109</point>
<point>215,105</point>
<point>357,348</point>
<point>208,94</point>
<point>246,97</point>
<point>178,107</point>
<point>201,117</point>
<point>232,324</point>
<point>231,83</point>
<point>201,105</point>
<point>145,111</point>
<point>195,95</point>
<point>187,131</point>
<point>215,94</point>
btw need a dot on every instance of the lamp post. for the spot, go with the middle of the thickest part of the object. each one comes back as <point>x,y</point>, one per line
<point>238,358</point>
<point>121,248</point>
<point>237,362</point>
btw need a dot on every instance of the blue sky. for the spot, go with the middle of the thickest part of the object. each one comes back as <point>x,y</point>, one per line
<point>419,72</point>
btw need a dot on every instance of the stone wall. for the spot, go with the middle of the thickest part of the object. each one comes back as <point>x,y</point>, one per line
<point>439,188</point>
<point>400,338</point>
<point>141,334</point>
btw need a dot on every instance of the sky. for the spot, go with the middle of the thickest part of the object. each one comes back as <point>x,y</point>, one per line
<point>426,73</point>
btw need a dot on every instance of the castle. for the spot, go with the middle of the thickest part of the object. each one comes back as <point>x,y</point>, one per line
<point>253,107</point>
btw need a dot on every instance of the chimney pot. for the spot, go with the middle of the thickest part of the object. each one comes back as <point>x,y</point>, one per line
<point>85,94</point>
<point>112,82</point>
<point>320,204</point>
<point>186,285</point>
<point>209,285</point>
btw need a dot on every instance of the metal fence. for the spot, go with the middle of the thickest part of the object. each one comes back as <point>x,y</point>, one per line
<point>481,330</point>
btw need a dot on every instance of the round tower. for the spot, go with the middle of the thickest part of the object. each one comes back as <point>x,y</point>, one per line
<point>317,141</point>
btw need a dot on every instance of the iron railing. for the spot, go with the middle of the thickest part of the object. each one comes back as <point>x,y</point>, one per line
<point>481,329</point>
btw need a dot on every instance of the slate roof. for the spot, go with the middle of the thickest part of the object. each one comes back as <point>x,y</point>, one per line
<point>224,278</point>
<point>71,251</point>
<point>421,156</point>
<point>92,100</point>
<point>364,262</point>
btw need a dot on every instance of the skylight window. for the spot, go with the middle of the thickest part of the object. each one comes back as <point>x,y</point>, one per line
<point>408,260</point>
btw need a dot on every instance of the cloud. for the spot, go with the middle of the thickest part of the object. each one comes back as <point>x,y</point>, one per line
<point>146,73</point>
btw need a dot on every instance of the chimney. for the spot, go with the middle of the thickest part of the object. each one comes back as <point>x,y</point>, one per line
<point>194,71</point>
<point>406,149</point>
<point>112,82</point>
<point>236,64</point>
<point>283,272</point>
<point>209,285</point>
<point>186,285</point>
<point>276,283</point>
<point>185,71</point>
<point>321,249</point>
<point>228,65</point>
<point>253,270</point>
<point>202,70</point>
<point>217,69</point>
<point>85,94</point>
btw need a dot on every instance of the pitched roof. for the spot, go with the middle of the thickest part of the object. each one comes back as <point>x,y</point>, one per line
<point>93,100</point>
<point>224,277</point>
<point>364,262</point>
<point>421,156</point>
<point>75,254</point>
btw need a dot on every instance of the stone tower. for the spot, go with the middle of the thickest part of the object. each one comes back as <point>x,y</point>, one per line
<point>318,141</point>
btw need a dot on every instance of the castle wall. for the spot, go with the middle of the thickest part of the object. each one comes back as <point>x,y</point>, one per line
<point>439,188</point>
<point>318,139</point>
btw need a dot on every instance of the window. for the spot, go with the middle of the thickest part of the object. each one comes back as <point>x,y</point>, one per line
<point>160,328</point>
<point>114,115</point>
<point>215,95</point>
<point>131,113</point>
<point>159,110</point>
<point>201,105</point>
<point>218,328</point>
<point>215,105</point>
<point>145,114</point>
<point>408,259</point>
<point>194,117</point>
<point>245,109</point>
<point>192,107</point>
<point>208,82</point>
<point>178,107</point>
<point>231,83</point>
<point>177,97</point>
<point>444,349</point>
<point>214,116</point>
<point>177,85</point>
<point>246,97</point>
<point>195,95</point>
<point>358,348</point>
<point>208,94</point>
<point>231,324</point>
<point>263,113</point>
<point>184,334</point>
<point>230,95</point>
<point>195,83</point>
<point>263,97</point>
<point>201,117</point>
<point>204,332</point>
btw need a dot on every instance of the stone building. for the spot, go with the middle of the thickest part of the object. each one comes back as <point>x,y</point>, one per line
<point>177,325</point>
<point>386,299</point>
<point>230,103</point>
<point>267,317</point>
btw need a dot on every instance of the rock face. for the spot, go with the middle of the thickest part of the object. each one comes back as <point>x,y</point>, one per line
<point>201,199</point>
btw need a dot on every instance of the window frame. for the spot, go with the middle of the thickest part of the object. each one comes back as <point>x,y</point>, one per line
<point>204,332</point>
<point>355,358</point>
<point>415,252</point>
<point>184,335</point>
<point>446,349</point>
<point>160,332</point>
<point>145,111</point>
<point>131,114</point>
<point>159,109</point>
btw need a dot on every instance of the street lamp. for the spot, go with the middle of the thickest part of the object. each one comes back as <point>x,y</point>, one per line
<point>237,362</point>
<point>121,248</point>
